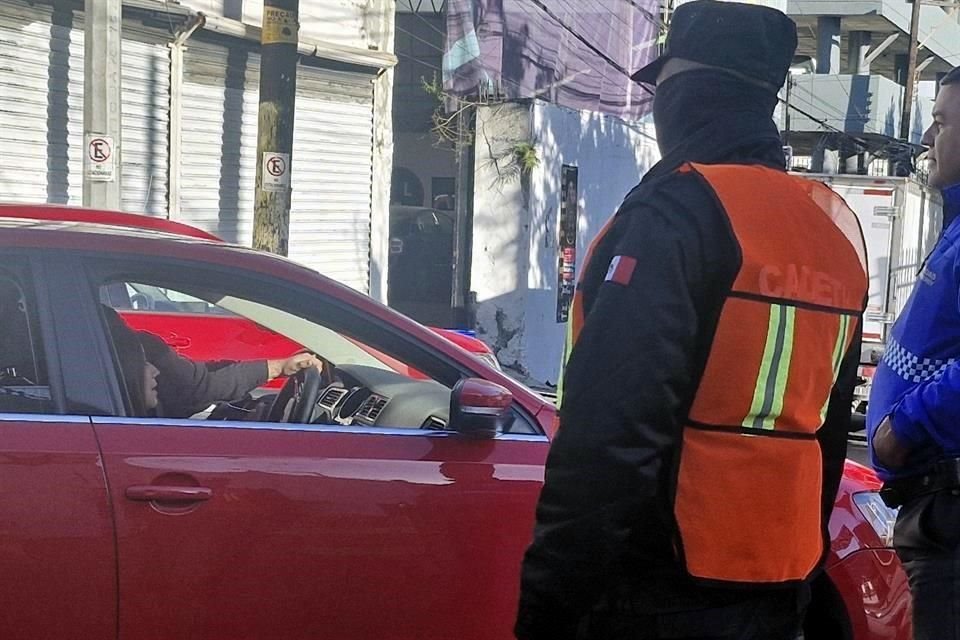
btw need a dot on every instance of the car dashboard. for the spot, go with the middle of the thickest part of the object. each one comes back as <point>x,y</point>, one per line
<point>367,396</point>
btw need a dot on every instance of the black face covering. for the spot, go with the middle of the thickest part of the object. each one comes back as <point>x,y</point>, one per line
<point>704,115</point>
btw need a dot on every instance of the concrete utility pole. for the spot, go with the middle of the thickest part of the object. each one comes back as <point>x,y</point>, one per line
<point>278,89</point>
<point>101,104</point>
<point>911,81</point>
<point>904,161</point>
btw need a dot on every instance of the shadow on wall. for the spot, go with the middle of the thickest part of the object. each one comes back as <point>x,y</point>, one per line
<point>155,174</point>
<point>917,129</point>
<point>611,156</point>
<point>890,120</point>
<point>231,149</point>
<point>58,105</point>
<point>858,105</point>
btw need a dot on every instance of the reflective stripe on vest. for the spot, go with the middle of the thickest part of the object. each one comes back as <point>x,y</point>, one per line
<point>749,482</point>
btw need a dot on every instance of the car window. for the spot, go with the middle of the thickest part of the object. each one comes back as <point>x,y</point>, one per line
<point>213,363</point>
<point>24,387</point>
<point>136,296</point>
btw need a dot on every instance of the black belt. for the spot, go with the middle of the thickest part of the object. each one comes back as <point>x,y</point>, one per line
<point>944,475</point>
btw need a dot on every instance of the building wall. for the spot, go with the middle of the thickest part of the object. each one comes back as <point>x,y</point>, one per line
<point>344,22</point>
<point>858,104</point>
<point>419,153</point>
<point>361,24</point>
<point>501,230</point>
<point>515,258</point>
<point>169,88</point>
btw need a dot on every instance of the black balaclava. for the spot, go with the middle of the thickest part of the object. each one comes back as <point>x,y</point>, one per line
<point>703,115</point>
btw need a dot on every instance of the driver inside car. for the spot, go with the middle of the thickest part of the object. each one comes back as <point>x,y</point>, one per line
<point>185,387</point>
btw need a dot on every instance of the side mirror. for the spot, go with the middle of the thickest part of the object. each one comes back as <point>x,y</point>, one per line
<point>479,408</point>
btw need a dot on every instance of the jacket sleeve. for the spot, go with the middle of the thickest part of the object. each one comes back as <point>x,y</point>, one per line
<point>186,387</point>
<point>834,434</point>
<point>627,382</point>
<point>930,412</point>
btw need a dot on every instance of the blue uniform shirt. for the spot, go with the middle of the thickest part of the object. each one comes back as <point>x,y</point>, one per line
<point>918,382</point>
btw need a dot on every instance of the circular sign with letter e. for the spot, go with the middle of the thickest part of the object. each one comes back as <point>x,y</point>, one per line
<point>276,171</point>
<point>99,163</point>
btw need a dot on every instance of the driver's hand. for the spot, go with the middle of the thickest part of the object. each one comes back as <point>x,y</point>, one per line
<point>293,364</point>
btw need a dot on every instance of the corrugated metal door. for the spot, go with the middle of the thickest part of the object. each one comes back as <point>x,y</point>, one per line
<point>332,157</point>
<point>41,109</point>
<point>146,120</point>
<point>332,175</point>
<point>41,104</point>
<point>219,138</point>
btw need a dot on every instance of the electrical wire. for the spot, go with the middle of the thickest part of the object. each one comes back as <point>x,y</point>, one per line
<point>570,9</point>
<point>488,69</point>
<point>583,40</point>
<point>565,27</point>
<point>890,148</point>
<point>436,48</point>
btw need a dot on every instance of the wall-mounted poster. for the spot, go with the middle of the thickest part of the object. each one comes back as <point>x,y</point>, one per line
<point>567,260</point>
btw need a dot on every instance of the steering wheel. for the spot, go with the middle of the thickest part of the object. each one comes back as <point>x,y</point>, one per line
<point>298,397</point>
<point>141,302</point>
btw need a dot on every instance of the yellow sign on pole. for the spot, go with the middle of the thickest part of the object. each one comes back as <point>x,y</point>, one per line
<point>279,26</point>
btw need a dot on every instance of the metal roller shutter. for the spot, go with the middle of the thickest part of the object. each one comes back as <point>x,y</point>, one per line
<point>41,109</point>
<point>332,157</point>
<point>41,104</point>
<point>219,138</point>
<point>146,121</point>
<point>332,175</point>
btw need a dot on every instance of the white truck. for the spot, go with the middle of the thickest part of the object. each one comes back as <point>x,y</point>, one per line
<point>901,221</point>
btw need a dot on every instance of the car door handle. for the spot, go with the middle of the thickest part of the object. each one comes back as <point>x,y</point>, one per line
<point>161,493</point>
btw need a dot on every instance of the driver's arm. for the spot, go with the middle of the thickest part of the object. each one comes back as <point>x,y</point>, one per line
<point>186,387</point>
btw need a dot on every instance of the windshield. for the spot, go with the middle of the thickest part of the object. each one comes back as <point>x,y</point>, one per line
<point>331,345</point>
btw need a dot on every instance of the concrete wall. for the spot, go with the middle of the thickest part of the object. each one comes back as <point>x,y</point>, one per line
<point>516,219</point>
<point>858,104</point>
<point>379,28</point>
<point>939,32</point>
<point>501,230</point>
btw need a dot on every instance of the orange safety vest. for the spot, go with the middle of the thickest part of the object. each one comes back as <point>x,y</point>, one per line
<point>748,494</point>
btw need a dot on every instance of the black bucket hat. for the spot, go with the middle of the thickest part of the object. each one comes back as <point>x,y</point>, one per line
<point>752,40</point>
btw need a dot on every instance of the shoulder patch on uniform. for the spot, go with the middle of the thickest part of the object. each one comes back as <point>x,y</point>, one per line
<point>621,270</point>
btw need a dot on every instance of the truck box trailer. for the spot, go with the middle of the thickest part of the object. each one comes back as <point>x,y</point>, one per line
<point>901,220</point>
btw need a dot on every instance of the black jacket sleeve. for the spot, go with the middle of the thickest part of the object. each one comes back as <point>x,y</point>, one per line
<point>834,434</point>
<point>628,383</point>
<point>186,387</point>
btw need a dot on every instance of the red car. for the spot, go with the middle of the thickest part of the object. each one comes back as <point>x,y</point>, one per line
<point>397,506</point>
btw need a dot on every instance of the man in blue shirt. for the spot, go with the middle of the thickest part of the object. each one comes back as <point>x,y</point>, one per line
<point>914,413</point>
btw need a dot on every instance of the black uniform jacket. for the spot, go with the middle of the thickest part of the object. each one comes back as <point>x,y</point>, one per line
<point>604,520</point>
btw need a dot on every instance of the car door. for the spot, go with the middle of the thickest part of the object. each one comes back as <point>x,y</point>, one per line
<point>57,553</point>
<point>236,529</point>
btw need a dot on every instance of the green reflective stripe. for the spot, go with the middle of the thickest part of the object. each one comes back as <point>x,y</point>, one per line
<point>774,369</point>
<point>759,390</point>
<point>782,368</point>
<point>838,350</point>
